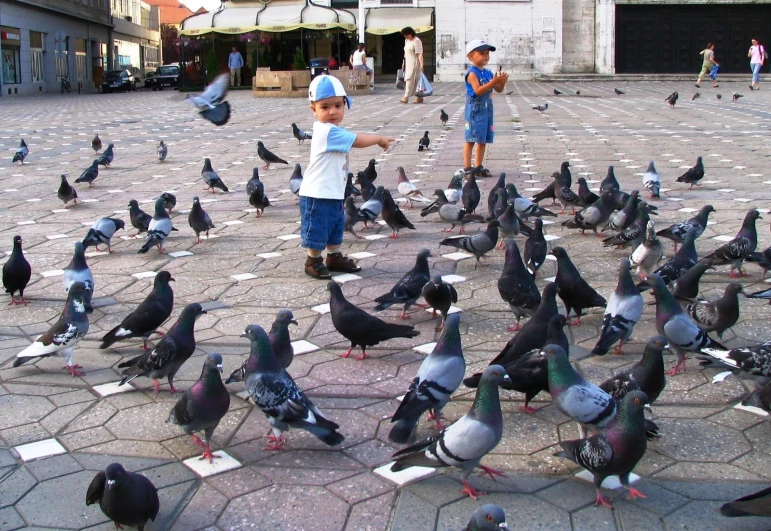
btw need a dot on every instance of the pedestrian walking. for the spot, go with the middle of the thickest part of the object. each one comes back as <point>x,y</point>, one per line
<point>757,55</point>
<point>235,63</point>
<point>358,62</point>
<point>708,65</point>
<point>412,66</point>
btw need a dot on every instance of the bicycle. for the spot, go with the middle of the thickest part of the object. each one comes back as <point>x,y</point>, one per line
<point>65,85</point>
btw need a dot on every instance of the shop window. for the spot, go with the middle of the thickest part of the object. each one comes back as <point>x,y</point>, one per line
<point>36,40</point>
<point>80,59</point>
<point>62,65</point>
<point>11,45</point>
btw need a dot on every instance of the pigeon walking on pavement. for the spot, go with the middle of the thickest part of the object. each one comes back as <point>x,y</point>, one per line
<point>468,440</point>
<point>372,208</point>
<point>424,142</point>
<point>211,103</point>
<point>470,194</point>
<point>171,352</point>
<point>370,170</point>
<point>525,207</point>
<point>648,254</point>
<point>211,178</point>
<point>90,174</point>
<point>126,498</point>
<point>77,270</point>
<point>763,259</point>
<point>500,184</point>
<point>140,219</point>
<point>735,97</point>
<point>624,309</point>
<point>510,225</point>
<point>443,117</point>
<point>16,272</point>
<point>169,201</point>
<point>101,232</point>
<point>268,157</point>
<point>106,158</point>
<point>516,285</point>
<point>565,195</point>
<point>454,214</point>
<point>592,217</point>
<point>647,375</point>
<point>536,249</point>
<point>610,183</point>
<point>541,108</point>
<point>296,179</point>
<point>696,96</point>
<point>439,376</point>
<point>735,251</point>
<point>255,190</point>
<point>720,315</point>
<point>199,220</point>
<point>626,216</point>
<point>574,291</point>
<point>367,188</point>
<point>351,216</point>
<point>96,144</point>
<point>652,181</point>
<point>451,195</point>
<point>393,216</point>
<point>162,151</point>
<point>408,190</point>
<point>67,192</point>
<point>21,152</point>
<point>672,99</point>
<point>439,295</point>
<point>300,135</point>
<point>409,288</point>
<point>683,260</point>
<point>280,342</point>
<point>202,407</point>
<point>678,231</point>
<point>148,316</point>
<point>693,175</point>
<point>686,288</point>
<point>478,244</point>
<point>159,228</point>
<point>619,92</point>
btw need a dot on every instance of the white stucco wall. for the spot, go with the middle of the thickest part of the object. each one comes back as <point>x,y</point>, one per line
<point>578,23</point>
<point>527,35</point>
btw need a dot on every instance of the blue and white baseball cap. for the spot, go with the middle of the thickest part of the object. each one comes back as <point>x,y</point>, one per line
<point>325,86</point>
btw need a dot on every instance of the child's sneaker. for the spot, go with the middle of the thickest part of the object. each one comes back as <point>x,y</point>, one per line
<point>483,172</point>
<point>314,267</point>
<point>343,264</point>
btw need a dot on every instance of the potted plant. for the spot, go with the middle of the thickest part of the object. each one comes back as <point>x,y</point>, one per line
<point>299,59</point>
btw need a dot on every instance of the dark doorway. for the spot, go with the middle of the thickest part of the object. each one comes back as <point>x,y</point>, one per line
<point>393,52</point>
<point>668,38</point>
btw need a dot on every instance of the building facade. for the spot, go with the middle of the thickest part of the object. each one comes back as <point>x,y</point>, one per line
<point>136,36</point>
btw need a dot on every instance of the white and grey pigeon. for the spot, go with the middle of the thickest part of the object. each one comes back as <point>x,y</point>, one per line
<point>468,440</point>
<point>478,244</point>
<point>677,231</point>
<point>159,229</point>
<point>300,135</point>
<point>211,103</point>
<point>296,179</point>
<point>651,180</point>
<point>62,337</point>
<point>439,376</point>
<point>541,108</point>
<point>77,270</point>
<point>648,254</point>
<point>408,189</point>
<point>101,232</point>
<point>211,178</point>
<point>625,306</point>
<point>754,360</point>
<point>489,517</point>
<point>525,207</point>
<point>371,209</point>
<point>21,152</point>
<point>163,150</point>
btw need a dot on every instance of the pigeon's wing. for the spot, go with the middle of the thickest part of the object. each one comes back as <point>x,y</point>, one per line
<point>96,488</point>
<point>215,92</point>
<point>219,114</point>
<point>594,453</point>
<point>620,385</point>
<point>163,353</point>
<point>681,331</point>
<point>704,313</point>
<point>437,379</point>
<point>61,336</point>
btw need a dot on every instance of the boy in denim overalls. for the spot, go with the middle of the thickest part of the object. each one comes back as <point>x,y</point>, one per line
<point>479,103</point>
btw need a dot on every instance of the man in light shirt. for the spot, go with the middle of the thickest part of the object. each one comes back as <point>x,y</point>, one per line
<point>235,63</point>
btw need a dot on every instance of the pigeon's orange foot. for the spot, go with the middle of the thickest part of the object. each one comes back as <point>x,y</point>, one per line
<point>602,501</point>
<point>208,455</point>
<point>635,494</point>
<point>471,491</point>
<point>492,472</point>
<point>513,328</point>
<point>527,409</point>
<point>73,369</point>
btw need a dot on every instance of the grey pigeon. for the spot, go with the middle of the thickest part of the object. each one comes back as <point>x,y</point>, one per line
<point>255,190</point>
<point>718,96</point>
<point>351,216</point>
<point>626,216</point>
<point>587,196</point>
<point>101,232</point>
<point>77,270</point>
<point>516,285</point>
<point>479,244</point>
<point>211,178</point>
<point>686,288</point>
<point>300,135</point>
<point>277,395</point>
<point>525,207</point>
<point>735,97</point>
<point>424,142</point>
<point>443,117</point>
<point>492,197</point>
<point>452,194</point>
<point>148,316</point>
<point>614,451</point>
<point>202,407</point>
<point>159,229</point>
<point>199,220</point>
<point>350,188</point>
<point>372,208</point>
<point>439,376</point>
<point>647,375</point>
<point>693,175</point>
<point>565,195</point>
<point>470,194</point>
<point>651,181</point>
<point>677,231</point>
<point>536,249</point>
<point>634,234</point>
<point>296,179</point>
<point>62,337</point>
<point>683,260</point>
<point>624,309</point>
<point>67,192</point>
<point>408,190</point>
<point>96,144</point>
<point>696,96</point>
<point>126,498</point>
<point>16,272</point>
<point>169,201</point>
<point>610,183</point>
<point>510,225</point>
<point>574,291</point>
<point>468,440</point>
<point>673,323</point>
<point>672,99</point>
<point>393,216</point>
<point>280,342</point>
<point>501,204</point>
<point>162,151</point>
<point>268,157</point>
<point>762,294</point>
<point>754,360</point>
<point>618,199</point>
<point>565,175</point>
<point>558,92</point>
<point>359,327</point>
<point>211,103</point>
<point>171,352</point>
<point>106,158</point>
<point>648,254</point>
<point>489,517</point>
<point>763,259</point>
<point>720,315</point>
<point>370,170</point>
<point>756,504</point>
<point>409,288</point>
<point>21,152</point>
<point>90,174</point>
<point>735,251</point>
<point>453,214</point>
<point>140,219</point>
<point>439,296</point>
<point>541,108</point>
<point>619,92</point>
<point>367,188</point>
<point>593,216</point>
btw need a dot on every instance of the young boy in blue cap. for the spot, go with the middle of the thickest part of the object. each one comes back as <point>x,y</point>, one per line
<point>479,103</point>
<point>322,216</point>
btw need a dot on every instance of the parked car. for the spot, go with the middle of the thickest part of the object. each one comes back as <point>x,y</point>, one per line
<point>149,76</point>
<point>119,80</point>
<point>166,76</point>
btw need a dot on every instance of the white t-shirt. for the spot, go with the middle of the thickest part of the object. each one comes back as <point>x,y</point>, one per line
<point>358,57</point>
<point>327,172</point>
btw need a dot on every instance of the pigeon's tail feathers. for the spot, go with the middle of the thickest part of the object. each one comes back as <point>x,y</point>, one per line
<point>402,430</point>
<point>473,381</point>
<point>405,331</point>
<point>149,245</point>
<point>21,361</point>
<point>219,114</point>
<point>325,430</point>
<point>127,379</point>
<point>110,338</point>
<point>384,302</point>
<point>720,354</point>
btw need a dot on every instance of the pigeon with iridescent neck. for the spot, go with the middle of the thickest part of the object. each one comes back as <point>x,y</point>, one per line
<point>735,251</point>
<point>280,342</point>
<point>647,375</point>
<point>678,231</point>
<point>683,260</point>
<point>255,190</point>
<point>489,517</point>
<point>624,309</point>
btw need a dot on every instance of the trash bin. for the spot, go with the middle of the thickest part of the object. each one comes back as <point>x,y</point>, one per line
<point>318,66</point>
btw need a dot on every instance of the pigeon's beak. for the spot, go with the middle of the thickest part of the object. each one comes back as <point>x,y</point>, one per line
<point>294,321</point>
<point>506,379</point>
<point>110,484</point>
<point>219,368</point>
<point>172,279</point>
<point>203,312</point>
<point>243,335</point>
<point>503,526</point>
<point>648,408</point>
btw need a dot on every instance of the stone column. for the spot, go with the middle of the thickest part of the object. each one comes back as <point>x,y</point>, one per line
<point>605,31</point>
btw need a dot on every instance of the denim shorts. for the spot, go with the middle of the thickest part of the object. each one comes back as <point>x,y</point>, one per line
<point>322,222</point>
<point>479,121</point>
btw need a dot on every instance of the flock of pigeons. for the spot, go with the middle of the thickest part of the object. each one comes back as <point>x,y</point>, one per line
<point>534,360</point>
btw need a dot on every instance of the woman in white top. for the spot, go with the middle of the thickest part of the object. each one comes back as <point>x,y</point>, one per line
<point>412,64</point>
<point>359,60</point>
<point>757,55</point>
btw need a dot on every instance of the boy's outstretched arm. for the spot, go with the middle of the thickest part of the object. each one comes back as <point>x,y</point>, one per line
<point>366,140</point>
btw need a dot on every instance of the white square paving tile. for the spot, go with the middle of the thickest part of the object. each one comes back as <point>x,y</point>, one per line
<point>453,279</point>
<point>303,347</point>
<point>145,274</point>
<point>209,237</point>
<point>243,276</point>
<point>56,236</point>
<point>92,254</point>
<point>752,409</point>
<point>243,395</point>
<point>112,388</point>
<point>33,200</point>
<point>60,210</point>
<point>30,222</point>
<point>269,255</point>
<point>233,222</point>
<point>180,254</point>
<point>687,210</point>
<point>375,237</point>
<point>723,238</point>
<point>550,279</point>
<point>426,348</point>
<point>674,198</point>
<point>709,182</point>
<point>203,468</point>
<point>550,237</point>
<point>453,309</point>
<point>726,190</point>
<point>363,254</point>
<point>345,277</point>
<point>406,476</point>
<point>321,308</point>
<point>52,273</point>
<point>457,256</point>
<point>742,199</point>
<point>611,482</point>
<point>40,449</point>
<point>287,237</point>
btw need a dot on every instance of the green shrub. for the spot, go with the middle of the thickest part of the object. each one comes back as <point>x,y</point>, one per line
<point>212,66</point>
<point>299,59</point>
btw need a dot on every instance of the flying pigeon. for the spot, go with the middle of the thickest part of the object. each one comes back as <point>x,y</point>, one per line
<point>424,142</point>
<point>479,244</point>
<point>199,220</point>
<point>614,451</point>
<point>439,376</point>
<point>211,178</point>
<point>171,352</point>
<point>410,192</point>
<point>500,184</point>
<point>624,309</point>
<point>683,260</point>
<point>90,174</point>
<point>453,214</point>
<point>16,272</point>
<point>536,249</point>
<point>277,395</point>
<point>96,144</point>
<point>148,316</point>
<point>647,375</point>
<point>541,108</point>
<point>267,157</point>
<point>648,254</point>
<point>124,497</point>
<point>202,407</point>
<point>280,342</point>
<point>67,192</point>
<point>587,196</point>
<point>255,190</point>
<point>162,150</point>
<point>439,296</point>
<point>370,170</point>
<point>296,179</point>
<point>618,92</point>
<point>677,232</point>
<point>593,216</point>
<point>443,117</point>
<point>696,96</point>
<point>359,327</point>
<point>763,259</point>
<point>77,270</point>
<point>516,285</point>
<point>62,336</point>
<point>300,135</point>
<point>693,175</point>
<point>169,201</point>
<point>21,152</point>
<point>159,229</point>
<point>409,288</point>
<point>735,251</point>
<point>610,183</point>
<point>735,97</point>
<point>489,517</point>
<point>470,194</point>
<point>211,103</point>
<point>686,288</point>
<point>557,92</point>
<point>101,232</point>
<point>351,216</point>
<point>106,158</point>
<point>757,504</point>
<point>525,207</point>
<point>393,216</point>
<point>140,220</point>
<point>651,181</point>
<point>574,291</point>
<point>720,315</point>
<point>468,440</point>
<point>672,99</point>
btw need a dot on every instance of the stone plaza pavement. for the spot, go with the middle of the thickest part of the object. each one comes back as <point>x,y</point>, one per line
<point>250,268</point>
